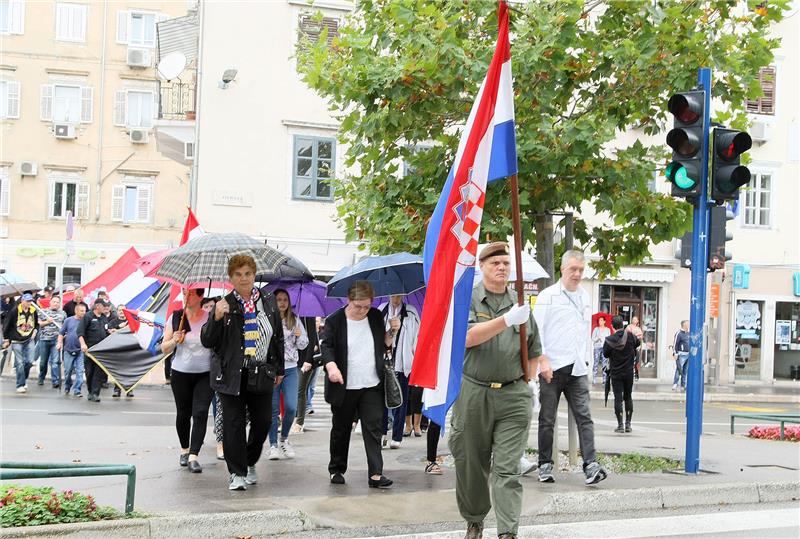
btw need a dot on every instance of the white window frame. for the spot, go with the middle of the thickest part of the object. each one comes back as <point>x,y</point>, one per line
<point>118,200</point>
<point>63,27</point>
<point>5,191</point>
<point>59,267</point>
<point>316,138</point>
<point>754,187</point>
<point>124,25</point>
<point>82,193</point>
<point>121,108</point>
<point>15,21</point>
<point>85,103</point>
<point>10,107</point>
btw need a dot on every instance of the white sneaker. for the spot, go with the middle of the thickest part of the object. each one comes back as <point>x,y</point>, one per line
<point>358,428</point>
<point>394,445</point>
<point>287,449</point>
<point>274,453</point>
<point>297,429</point>
<point>237,482</point>
<point>526,466</point>
<point>674,387</point>
<point>22,389</point>
<point>252,476</point>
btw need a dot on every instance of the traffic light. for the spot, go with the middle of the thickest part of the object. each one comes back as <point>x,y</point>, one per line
<point>684,252</point>
<point>727,174</point>
<point>718,235</point>
<point>686,141</point>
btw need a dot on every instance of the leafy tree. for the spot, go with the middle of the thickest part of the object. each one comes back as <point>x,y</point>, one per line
<point>402,74</point>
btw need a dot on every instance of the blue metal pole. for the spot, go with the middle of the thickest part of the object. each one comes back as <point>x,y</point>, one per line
<point>697,318</point>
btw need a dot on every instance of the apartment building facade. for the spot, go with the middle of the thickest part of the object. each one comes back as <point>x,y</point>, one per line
<point>79,96</point>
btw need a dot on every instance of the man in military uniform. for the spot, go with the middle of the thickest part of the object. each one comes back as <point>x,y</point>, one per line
<point>492,415</point>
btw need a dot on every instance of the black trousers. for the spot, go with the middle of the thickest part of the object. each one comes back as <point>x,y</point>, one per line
<point>623,389</point>
<point>95,376</point>
<point>242,449</point>
<point>434,434</point>
<point>414,400</point>
<point>192,393</point>
<point>369,405</point>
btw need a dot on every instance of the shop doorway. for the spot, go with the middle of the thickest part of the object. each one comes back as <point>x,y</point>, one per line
<point>640,302</point>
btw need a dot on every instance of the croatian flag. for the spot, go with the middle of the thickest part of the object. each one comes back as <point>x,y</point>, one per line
<point>191,230</point>
<point>486,152</point>
<point>148,327</point>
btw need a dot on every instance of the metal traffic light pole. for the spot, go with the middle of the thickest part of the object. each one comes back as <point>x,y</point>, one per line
<point>697,318</point>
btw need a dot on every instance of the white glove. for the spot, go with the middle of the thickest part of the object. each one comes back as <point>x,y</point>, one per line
<point>516,315</point>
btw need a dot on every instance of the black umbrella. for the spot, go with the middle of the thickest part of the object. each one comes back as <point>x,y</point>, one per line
<point>291,270</point>
<point>607,386</point>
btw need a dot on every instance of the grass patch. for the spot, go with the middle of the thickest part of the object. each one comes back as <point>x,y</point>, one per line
<point>33,506</point>
<point>626,462</point>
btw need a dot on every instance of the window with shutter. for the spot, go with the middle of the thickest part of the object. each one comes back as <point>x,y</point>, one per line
<point>12,17</point>
<point>144,202</point>
<point>12,99</point>
<point>123,20</point>
<point>766,103</point>
<point>67,104</point>
<point>5,192</point>
<point>46,103</point>
<point>141,28</point>
<point>310,27</point>
<point>120,107</point>
<point>313,168</point>
<point>63,198</point>
<point>71,22</point>
<point>82,201</point>
<point>87,93</point>
<point>117,202</point>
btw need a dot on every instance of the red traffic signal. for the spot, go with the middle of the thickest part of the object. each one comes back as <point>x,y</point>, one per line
<point>727,174</point>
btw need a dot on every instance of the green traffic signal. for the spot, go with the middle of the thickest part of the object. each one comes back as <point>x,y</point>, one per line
<point>686,141</point>
<point>679,175</point>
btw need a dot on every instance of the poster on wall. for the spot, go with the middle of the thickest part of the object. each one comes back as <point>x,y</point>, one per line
<point>748,320</point>
<point>783,332</point>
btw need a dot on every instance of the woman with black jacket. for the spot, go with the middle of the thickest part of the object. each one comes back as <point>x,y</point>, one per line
<point>354,342</point>
<point>246,337</point>
<point>620,349</point>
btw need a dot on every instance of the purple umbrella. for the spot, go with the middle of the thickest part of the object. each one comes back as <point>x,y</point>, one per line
<point>308,299</point>
<point>415,299</point>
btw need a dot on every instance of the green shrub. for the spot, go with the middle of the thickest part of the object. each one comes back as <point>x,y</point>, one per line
<point>32,506</point>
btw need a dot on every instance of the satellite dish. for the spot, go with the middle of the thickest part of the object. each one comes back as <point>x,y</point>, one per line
<point>171,65</point>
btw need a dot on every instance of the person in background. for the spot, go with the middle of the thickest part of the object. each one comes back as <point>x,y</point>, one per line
<point>19,332</point>
<point>599,335</point>
<point>207,304</point>
<point>77,297</point>
<point>294,340</point>
<point>403,320</point>
<point>635,328</point>
<point>70,344</point>
<point>433,435</point>
<point>191,383</point>
<point>50,321</point>
<point>620,349</point>
<point>681,351</point>
<point>93,329</point>
<point>354,343</point>
<point>309,364</point>
<point>414,412</point>
<point>248,360</point>
<point>44,298</point>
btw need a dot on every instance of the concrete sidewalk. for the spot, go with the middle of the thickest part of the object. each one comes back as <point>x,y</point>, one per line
<point>652,390</point>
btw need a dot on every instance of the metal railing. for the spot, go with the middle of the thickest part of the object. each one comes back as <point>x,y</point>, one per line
<point>47,470</point>
<point>176,100</point>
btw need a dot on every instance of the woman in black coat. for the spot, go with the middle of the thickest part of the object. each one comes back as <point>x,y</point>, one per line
<point>354,342</point>
<point>246,335</point>
<point>620,349</point>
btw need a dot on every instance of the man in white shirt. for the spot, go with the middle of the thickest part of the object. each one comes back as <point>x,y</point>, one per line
<point>563,314</point>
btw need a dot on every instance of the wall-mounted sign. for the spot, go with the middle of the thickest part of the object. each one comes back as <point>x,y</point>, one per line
<point>713,302</point>
<point>83,254</point>
<point>783,332</point>
<point>232,198</point>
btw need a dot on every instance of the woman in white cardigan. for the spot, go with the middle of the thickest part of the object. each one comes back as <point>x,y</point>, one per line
<point>403,319</point>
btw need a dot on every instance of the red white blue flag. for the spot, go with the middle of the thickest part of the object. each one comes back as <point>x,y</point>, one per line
<point>486,152</point>
<point>148,327</point>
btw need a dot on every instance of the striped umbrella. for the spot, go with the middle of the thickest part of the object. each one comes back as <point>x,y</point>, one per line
<point>206,258</point>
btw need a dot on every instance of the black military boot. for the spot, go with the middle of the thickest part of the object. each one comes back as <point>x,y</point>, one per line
<point>619,422</point>
<point>628,415</point>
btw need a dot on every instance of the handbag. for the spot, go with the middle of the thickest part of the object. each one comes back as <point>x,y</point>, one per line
<point>260,378</point>
<point>393,395</point>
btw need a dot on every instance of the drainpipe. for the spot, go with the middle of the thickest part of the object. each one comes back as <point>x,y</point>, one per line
<point>101,119</point>
<point>193,183</point>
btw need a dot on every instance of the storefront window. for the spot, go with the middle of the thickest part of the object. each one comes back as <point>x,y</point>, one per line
<point>787,341</point>
<point>748,339</point>
<point>605,298</point>
<point>650,327</point>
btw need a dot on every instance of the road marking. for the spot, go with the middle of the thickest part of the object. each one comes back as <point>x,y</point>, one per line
<point>698,525</point>
<point>755,409</point>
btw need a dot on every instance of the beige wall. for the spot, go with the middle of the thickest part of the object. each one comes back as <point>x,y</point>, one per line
<point>36,58</point>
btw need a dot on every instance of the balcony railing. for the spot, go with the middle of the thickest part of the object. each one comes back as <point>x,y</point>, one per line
<point>176,100</point>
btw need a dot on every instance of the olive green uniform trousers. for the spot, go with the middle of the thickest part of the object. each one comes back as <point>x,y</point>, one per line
<point>489,431</point>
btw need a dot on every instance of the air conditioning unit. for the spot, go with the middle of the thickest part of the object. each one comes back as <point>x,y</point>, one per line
<point>28,168</point>
<point>139,57</point>
<point>65,131</point>
<point>760,131</point>
<point>188,151</point>
<point>139,136</point>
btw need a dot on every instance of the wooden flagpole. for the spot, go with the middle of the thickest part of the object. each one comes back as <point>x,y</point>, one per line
<point>519,283</point>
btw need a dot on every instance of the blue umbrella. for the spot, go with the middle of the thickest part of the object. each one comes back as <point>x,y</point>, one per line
<point>308,298</point>
<point>400,273</point>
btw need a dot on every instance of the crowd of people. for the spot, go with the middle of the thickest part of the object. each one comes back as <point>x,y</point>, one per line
<point>252,360</point>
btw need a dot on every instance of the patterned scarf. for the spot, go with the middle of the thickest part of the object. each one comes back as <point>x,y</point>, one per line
<point>250,321</point>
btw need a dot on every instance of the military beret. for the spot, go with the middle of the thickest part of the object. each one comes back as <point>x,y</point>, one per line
<point>493,249</point>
